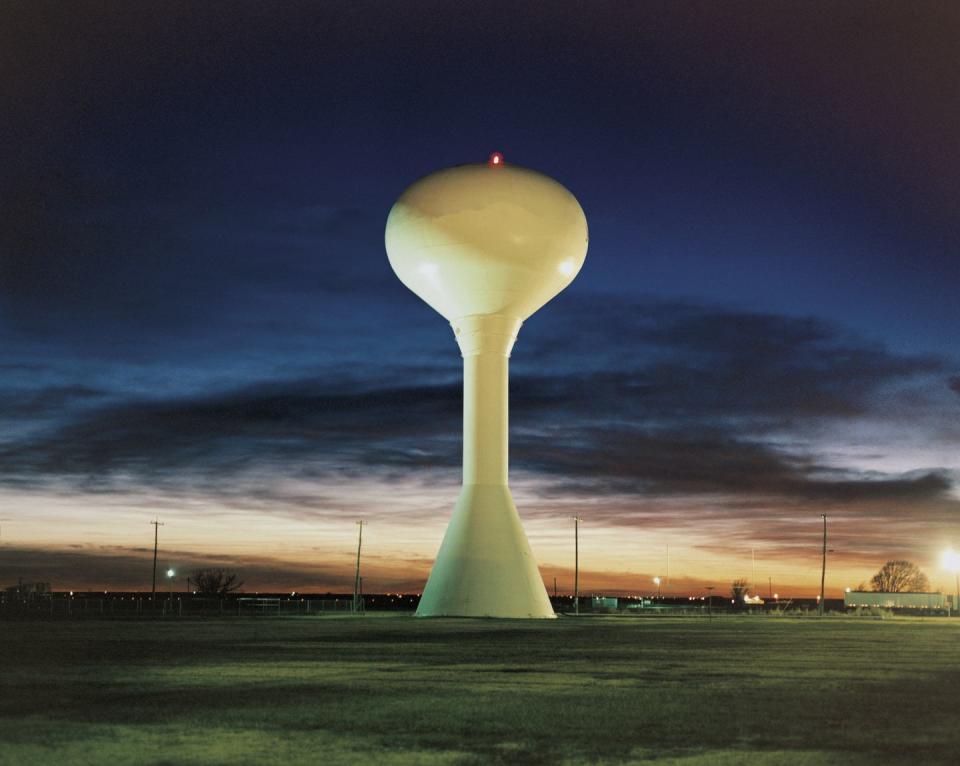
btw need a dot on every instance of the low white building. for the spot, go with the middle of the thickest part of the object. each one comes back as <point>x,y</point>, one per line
<point>868,598</point>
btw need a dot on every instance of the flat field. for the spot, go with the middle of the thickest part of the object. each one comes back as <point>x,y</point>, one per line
<point>395,690</point>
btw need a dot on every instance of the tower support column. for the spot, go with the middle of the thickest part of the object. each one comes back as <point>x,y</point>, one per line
<point>485,567</point>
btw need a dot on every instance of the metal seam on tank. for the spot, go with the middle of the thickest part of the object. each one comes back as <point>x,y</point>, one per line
<point>481,208</point>
<point>446,222</point>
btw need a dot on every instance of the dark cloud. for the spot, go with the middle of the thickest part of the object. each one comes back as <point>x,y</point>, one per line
<point>682,359</point>
<point>43,402</point>
<point>702,409</point>
<point>285,427</point>
<point>698,461</point>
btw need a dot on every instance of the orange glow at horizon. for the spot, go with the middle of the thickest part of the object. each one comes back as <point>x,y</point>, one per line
<point>94,542</point>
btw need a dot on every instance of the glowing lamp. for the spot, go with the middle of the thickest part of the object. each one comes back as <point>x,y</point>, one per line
<point>951,561</point>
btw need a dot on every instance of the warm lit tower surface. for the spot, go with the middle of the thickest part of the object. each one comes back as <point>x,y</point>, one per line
<point>486,245</point>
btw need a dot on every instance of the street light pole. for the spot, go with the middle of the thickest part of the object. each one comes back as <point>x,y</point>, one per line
<point>153,588</point>
<point>823,568</point>
<point>576,564</point>
<point>356,581</point>
<point>710,601</point>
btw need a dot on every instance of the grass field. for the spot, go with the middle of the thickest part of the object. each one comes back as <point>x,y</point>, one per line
<point>395,690</point>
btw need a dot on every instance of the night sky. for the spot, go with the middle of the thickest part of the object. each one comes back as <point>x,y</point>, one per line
<point>198,320</point>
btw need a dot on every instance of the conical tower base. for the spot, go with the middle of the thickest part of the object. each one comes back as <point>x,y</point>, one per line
<point>485,567</point>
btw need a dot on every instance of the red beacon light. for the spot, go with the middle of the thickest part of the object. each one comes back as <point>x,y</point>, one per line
<point>495,159</point>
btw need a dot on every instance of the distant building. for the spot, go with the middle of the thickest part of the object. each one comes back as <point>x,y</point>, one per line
<point>880,600</point>
<point>605,602</point>
<point>27,591</point>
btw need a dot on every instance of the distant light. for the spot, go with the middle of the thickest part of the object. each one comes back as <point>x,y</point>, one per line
<point>951,560</point>
<point>848,590</point>
<point>776,595</point>
<point>170,573</point>
<point>495,159</point>
<point>656,580</point>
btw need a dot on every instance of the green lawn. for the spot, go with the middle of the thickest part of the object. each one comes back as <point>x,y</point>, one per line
<point>395,690</point>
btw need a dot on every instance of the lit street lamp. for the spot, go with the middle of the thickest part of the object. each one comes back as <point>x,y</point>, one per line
<point>951,562</point>
<point>656,581</point>
<point>170,575</point>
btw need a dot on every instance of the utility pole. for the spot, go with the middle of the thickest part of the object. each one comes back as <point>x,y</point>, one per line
<point>823,568</point>
<point>576,564</point>
<point>156,528</point>
<point>710,601</point>
<point>356,582</point>
<point>770,585</point>
<point>668,567</point>
<point>753,565</point>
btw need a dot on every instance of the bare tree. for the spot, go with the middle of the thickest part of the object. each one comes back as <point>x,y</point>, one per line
<point>216,582</point>
<point>739,589</point>
<point>899,577</point>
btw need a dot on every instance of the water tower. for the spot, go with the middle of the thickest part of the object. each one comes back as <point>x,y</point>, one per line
<point>486,245</point>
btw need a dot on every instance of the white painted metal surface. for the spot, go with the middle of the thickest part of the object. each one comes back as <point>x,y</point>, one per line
<point>486,245</point>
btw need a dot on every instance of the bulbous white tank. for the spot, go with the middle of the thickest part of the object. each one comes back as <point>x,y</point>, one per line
<point>486,239</point>
<point>486,245</point>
